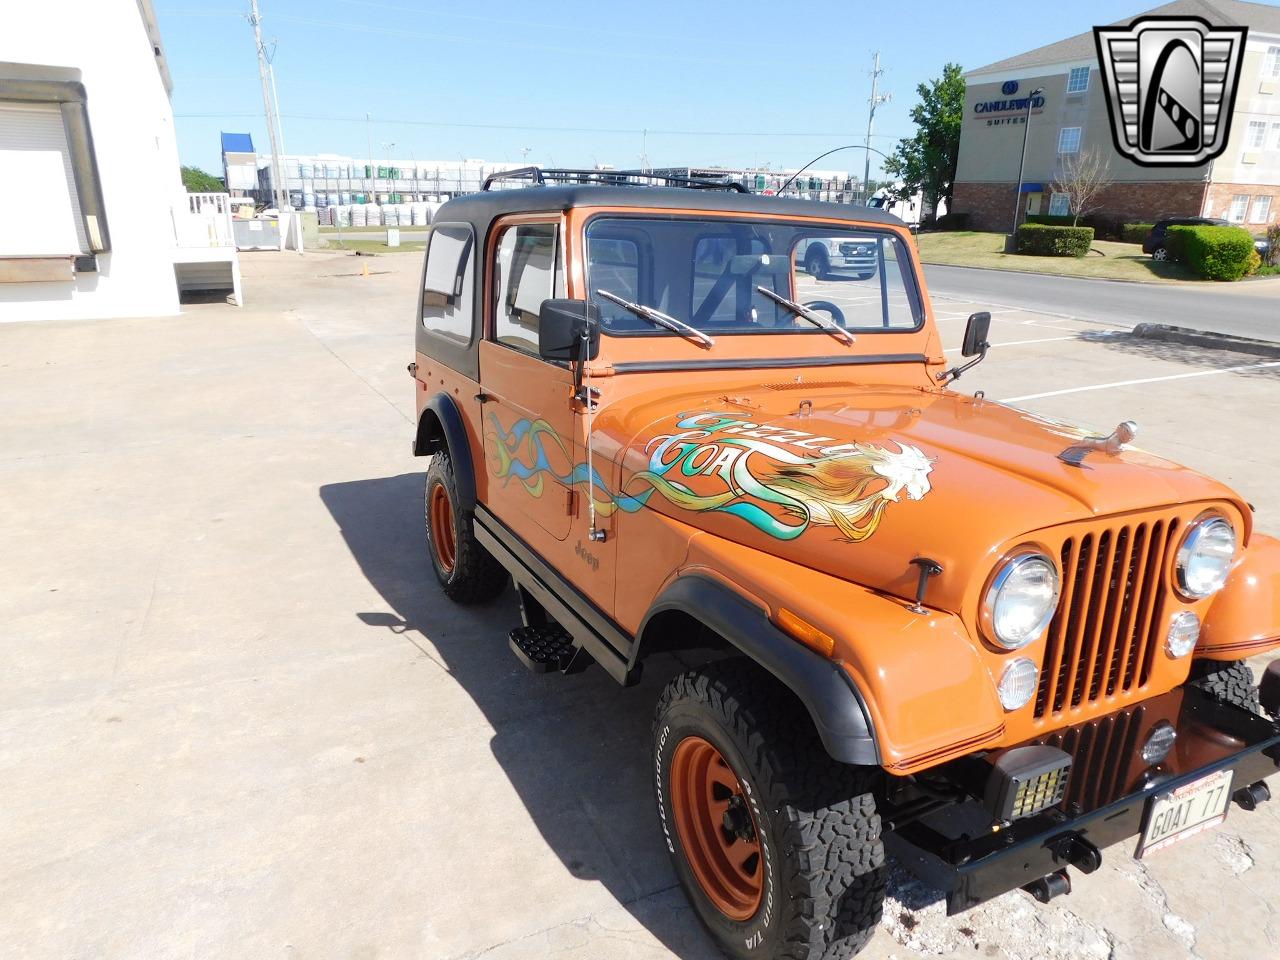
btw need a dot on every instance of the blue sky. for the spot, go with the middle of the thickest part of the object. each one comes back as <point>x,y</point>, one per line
<point>575,82</point>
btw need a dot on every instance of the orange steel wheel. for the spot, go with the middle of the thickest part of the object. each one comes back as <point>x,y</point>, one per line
<point>716,828</point>
<point>442,541</point>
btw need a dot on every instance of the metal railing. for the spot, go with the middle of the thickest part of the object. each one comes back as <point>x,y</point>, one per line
<point>203,220</point>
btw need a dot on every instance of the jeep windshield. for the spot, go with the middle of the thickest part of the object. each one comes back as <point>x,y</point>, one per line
<point>715,275</point>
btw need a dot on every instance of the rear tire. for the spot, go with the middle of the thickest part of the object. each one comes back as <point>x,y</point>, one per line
<point>1230,681</point>
<point>467,571</point>
<point>817,888</point>
<point>1160,254</point>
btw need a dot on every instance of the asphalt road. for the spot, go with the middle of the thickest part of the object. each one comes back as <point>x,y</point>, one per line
<point>1245,309</point>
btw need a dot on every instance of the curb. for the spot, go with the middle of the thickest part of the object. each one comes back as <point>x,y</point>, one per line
<point>1065,276</point>
<point>1205,338</point>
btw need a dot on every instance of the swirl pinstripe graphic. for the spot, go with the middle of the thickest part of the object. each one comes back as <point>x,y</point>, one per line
<point>716,463</point>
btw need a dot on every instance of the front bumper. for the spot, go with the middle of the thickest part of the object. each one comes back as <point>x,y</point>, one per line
<point>853,264</point>
<point>953,846</point>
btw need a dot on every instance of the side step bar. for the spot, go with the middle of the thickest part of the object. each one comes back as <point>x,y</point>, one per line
<point>592,635</point>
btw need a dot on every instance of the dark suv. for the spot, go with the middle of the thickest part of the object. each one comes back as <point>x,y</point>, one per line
<point>1155,242</point>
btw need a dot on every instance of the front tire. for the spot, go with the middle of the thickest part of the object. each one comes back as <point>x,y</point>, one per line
<point>776,845</point>
<point>815,264</point>
<point>466,571</point>
<point>1160,254</point>
<point>1230,681</point>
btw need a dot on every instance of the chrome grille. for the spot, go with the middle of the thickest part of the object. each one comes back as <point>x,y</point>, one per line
<point>1107,626</point>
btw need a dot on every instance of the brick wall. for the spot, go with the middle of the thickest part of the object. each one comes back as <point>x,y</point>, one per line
<point>1219,202</point>
<point>990,205</point>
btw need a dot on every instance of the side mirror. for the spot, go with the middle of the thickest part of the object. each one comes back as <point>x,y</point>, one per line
<point>975,334</point>
<point>975,345</point>
<point>561,325</point>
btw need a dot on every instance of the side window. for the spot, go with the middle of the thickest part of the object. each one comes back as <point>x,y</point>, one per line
<point>527,272</point>
<point>447,285</point>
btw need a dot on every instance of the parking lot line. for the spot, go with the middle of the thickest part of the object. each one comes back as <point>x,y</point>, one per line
<point>1016,343</point>
<point>1130,383</point>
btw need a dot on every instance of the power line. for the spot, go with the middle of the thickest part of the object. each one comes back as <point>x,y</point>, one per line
<point>534,128</point>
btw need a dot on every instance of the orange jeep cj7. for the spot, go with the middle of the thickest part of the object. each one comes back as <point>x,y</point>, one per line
<point>990,643</point>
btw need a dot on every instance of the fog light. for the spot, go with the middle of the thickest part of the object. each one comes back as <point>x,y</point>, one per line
<point>1026,780</point>
<point>1184,631</point>
<point>1159,743</point>
<point>1018,684</point>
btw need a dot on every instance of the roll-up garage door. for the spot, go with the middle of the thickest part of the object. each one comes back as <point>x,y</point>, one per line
<point>39,207</point>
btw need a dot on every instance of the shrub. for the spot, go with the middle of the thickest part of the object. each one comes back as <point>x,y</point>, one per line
<point>1044,240</point>
<point>952,221</point>
<point>1104,228</point>
<point>1215,253</point>
<point>1135,232</point>
<point>1253,264</point>
<point>1052,219</point>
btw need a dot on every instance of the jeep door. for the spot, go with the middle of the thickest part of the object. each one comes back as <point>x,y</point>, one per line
<point>527,420</point>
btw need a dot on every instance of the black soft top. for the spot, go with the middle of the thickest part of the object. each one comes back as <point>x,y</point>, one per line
<point>481,209</point>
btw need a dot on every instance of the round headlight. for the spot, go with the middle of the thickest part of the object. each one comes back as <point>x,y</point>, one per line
<point>1204,559</point>
<point>1184,631</point>
<point>1017,684</point>
<point>1021,600</point>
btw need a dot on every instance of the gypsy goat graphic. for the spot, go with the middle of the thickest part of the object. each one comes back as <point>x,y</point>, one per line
<point>710,466</point>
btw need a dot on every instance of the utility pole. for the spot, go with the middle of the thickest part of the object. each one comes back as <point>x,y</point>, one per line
<point>876,100</point>
<point>277,165</point>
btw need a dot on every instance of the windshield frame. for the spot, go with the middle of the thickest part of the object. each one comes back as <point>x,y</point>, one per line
<point>907,265</point>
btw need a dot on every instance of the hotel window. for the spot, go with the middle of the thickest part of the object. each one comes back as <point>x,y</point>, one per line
<point>1239,204</point>
<point>1059,205</point>
<point>1271,64</point>
<point>1256,138</point>
<point>1078,81</point>
<point>1069,140</point>
<point>1261,211</point>
<point>1275,136</point>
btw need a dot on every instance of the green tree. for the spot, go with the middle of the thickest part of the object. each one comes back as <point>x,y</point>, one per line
<point>197,181</point>
<point>927,161</point>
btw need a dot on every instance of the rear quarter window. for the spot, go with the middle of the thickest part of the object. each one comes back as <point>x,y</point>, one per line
<point>448,283</point>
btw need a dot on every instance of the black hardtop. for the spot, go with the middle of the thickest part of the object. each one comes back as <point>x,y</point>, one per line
<point>481,209</point>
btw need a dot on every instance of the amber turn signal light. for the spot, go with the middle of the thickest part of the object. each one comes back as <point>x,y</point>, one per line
<point>805,632</point>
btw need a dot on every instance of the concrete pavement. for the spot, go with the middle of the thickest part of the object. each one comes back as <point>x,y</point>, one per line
<point>238,719</point>
<point>1245,309</point>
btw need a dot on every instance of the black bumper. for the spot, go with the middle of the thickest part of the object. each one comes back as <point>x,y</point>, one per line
<point>953,847</point>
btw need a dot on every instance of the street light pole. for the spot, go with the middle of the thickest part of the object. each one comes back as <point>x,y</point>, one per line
<point>1026,125</point>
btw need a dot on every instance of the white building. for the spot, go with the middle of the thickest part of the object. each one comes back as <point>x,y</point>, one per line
<point>94,221</point>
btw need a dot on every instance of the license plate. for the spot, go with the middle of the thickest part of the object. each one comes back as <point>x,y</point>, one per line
<point>1186,811</point>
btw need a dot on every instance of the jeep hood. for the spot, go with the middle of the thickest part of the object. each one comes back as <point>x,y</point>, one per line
<point>858,487</point>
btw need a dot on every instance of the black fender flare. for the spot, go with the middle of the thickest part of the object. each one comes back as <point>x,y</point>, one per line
<point>441,425</point>
<point>834,702</point>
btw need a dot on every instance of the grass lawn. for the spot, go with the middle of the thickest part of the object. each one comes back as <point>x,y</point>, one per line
<point>1107,259</point>
<point>374,246</point>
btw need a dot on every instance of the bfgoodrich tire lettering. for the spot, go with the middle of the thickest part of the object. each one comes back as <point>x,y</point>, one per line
<point>822,861</point>
<point>466,571</point>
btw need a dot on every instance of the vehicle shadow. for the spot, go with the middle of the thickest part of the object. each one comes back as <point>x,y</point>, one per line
<point>576,748</point>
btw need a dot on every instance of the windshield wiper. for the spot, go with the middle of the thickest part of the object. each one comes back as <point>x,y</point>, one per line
<point>660,319</point>
<point>804,313</point>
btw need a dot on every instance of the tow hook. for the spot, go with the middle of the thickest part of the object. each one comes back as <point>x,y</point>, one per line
<point>1252,796</point>
<point>1077,851</point>
<point>1050,886</point>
